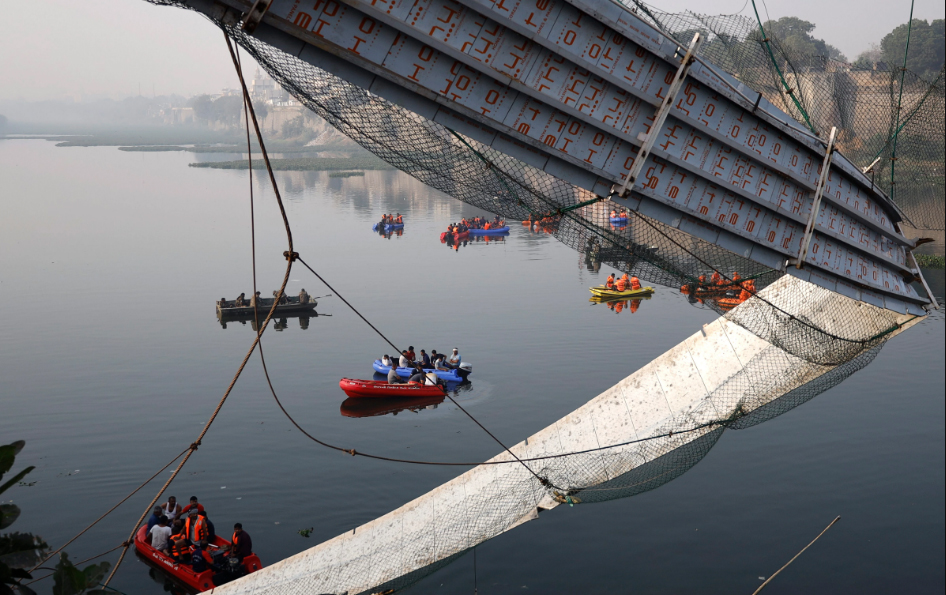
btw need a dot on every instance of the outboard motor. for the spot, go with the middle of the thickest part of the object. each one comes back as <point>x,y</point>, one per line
<point>465,370</point>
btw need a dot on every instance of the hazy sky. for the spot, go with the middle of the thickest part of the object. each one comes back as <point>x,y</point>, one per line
<point>54,49</point>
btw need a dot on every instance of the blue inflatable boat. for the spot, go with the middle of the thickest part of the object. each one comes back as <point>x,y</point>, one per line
<point>619,220</point>
<point>388,226</point>
<point>490,232</point>
<point>448,375</point>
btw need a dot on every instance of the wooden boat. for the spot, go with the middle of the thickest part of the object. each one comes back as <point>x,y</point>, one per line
<point>602,291</point>
<point>182,573</point>
<point>291,303</point>
<point>381,389</point>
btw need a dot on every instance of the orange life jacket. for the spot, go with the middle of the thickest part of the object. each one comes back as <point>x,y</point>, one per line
<point>614,214</point>
<point>635,283</point>
<point>702,279</point>
<point>736,277</point>
<point>179,546</point>
<point>200,529</point>
<point>400,219</point>
<point>716,278</point>
<point>486,226</point>
<point>622,284</point>
<point>610,282</point>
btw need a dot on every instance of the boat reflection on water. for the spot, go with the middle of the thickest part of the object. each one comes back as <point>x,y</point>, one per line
<point>617,305</point>
<point>497,239</point>
<point>280,322</point>
<point>366,407</point>
<point>372,407</point>
<point>386,234</point>
<point>165,580</point>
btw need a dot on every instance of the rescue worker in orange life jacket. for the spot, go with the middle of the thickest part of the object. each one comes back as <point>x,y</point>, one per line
<point>242,545</point>
<point>195,528</point>
<point>610,282</point>
<point>716,279</point>
<point>399,218</point>
<point>622,283</point>
<point>635,283</point>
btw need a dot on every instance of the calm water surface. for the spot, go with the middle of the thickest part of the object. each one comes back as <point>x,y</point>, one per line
<point>112,358</point>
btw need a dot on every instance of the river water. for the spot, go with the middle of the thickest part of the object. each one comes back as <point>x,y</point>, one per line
<point>112,358</point>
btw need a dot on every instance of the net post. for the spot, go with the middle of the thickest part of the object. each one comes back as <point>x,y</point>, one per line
<point>660,117</point>
<point>816,199</point>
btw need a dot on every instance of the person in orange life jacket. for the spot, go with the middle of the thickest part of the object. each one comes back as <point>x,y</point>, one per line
<point>621,284</point>
<point>635,282</point>
<point>194,504</point>
<point>702,279</point>
<point>179,549</point>
<point>610,282</point>
<point>399,219</point>
<point>211,531</point>
<point>195,528</point>
<point>614,214</point>
<point>242,545</point>
<point>736,277</point>
<point>716,279</point>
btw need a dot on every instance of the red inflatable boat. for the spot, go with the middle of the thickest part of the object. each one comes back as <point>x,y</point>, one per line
<point>182,573</point>
<point>381,389</point>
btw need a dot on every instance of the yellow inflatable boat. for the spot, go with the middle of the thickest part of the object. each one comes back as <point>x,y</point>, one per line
<point>604,292</point>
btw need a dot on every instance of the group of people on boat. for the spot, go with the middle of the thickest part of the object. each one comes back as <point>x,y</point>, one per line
<point>475,223</point>
<point>420,363</point>
<point>624,283</point>
<point>718,287</point>
<point>622,214</point>
<point>547,222</point>
<point>242,302</point>
<point>388,219</point>
<point>184,534</point>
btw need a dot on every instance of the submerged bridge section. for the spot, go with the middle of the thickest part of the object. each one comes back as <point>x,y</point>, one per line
<point>713,375</point>
<point>593,95</point>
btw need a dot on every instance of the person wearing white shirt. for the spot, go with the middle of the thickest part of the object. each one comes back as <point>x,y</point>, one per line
<point>160,534</point>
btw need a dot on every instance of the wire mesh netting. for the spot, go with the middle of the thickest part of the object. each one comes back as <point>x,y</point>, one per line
<point>811,345</point>
<point>816,90</point>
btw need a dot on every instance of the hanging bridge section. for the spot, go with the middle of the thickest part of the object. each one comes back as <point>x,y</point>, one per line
<point>636,436</point>
<point>591,94</point>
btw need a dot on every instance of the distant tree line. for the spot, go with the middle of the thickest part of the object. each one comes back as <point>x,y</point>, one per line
<point>927,48</point>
